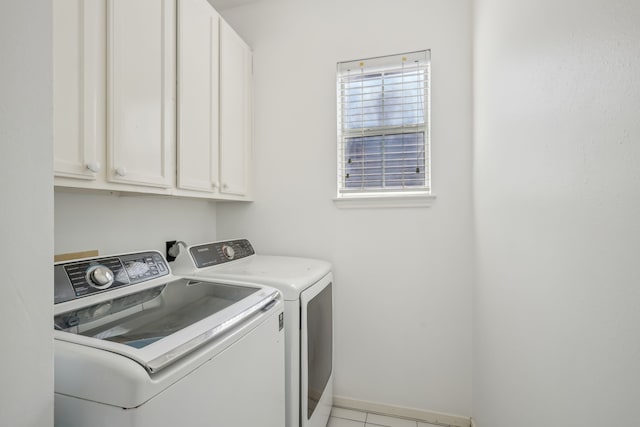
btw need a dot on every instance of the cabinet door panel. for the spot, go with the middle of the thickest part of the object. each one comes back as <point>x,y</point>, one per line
<point>235,111</point>
<point>78,87</point>
<point>198,63</point>
<point>141,91</point>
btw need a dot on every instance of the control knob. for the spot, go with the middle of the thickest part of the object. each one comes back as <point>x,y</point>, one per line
<point>228,252</point>
<point>100,277</point>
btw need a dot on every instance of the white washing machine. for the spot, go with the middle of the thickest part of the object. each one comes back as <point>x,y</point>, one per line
<point>306,285</point>
<point>136,346</point>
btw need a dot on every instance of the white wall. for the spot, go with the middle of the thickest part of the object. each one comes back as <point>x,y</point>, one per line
<point>116,224</point>
<point>26,215</point>
<point>557,203</point>
<point>403,276</point>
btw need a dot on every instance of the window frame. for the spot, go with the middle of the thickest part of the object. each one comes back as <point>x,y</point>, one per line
<point>380,196</point>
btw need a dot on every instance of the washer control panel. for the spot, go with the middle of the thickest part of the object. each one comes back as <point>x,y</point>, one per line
<point>77,279</point>
<point>216,253</point>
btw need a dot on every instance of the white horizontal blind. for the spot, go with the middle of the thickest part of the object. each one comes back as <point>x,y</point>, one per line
<point>383,124</point>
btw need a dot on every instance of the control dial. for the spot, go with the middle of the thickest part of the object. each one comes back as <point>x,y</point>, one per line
<point>100,277</point>
<point>228,252</point>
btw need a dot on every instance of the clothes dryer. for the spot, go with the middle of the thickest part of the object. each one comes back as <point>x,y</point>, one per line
<point>307,287</point>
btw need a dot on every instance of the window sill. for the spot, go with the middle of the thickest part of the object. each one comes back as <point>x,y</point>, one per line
<point>386,201</point>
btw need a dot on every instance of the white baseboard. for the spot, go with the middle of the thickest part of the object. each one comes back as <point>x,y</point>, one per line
<point>398,411</point>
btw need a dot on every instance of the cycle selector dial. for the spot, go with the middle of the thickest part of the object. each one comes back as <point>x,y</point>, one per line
<point>228,252</point>
<point>100,277</point>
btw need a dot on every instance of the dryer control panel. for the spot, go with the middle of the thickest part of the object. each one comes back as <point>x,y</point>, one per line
<point>77,279</point>
<point>216,253</point>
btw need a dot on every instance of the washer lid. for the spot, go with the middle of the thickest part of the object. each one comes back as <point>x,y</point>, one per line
<point>157,326</point>
<point>290,275</point>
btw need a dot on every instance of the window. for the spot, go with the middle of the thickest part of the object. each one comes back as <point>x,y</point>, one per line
<point>383,126</point>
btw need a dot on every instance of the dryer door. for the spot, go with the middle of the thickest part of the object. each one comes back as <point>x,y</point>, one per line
<point>316,353</point>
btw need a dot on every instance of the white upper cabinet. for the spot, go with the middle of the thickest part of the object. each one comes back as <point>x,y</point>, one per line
<point>198,112</point>
<point>150,96</point>
<point>79,88</point>
<point>141,92</point>
<point>235,112</point>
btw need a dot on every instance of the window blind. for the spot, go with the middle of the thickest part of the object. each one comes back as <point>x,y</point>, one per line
<point>383,124</point>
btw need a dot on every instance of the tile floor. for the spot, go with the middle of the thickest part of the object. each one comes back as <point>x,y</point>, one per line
<point>341,417</point>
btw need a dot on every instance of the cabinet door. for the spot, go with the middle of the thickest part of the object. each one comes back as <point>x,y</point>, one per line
<point>235,111</point>
<point>78,87</point>
<point>141,92</point>
<point>198,64</point>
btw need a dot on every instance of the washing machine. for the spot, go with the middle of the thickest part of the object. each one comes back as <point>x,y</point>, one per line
<point>307,287</point>
<point>136,346</point>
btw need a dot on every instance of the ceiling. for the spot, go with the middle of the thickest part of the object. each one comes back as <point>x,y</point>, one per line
<point>228,4</point>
